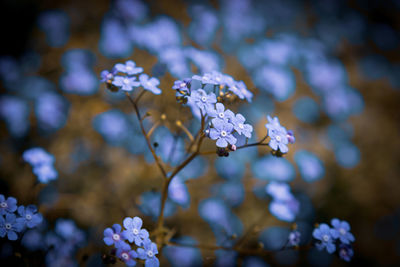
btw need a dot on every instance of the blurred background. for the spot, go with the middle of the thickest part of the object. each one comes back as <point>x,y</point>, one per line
<point>330,70</point>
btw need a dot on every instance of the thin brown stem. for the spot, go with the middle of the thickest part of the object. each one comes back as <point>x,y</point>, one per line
<point>156,158</point>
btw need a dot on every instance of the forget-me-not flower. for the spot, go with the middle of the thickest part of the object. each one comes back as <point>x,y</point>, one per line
<point>113,236</point>
<point>126,254</point>
<point>45,173</point>
<point>294,238</point>
<point>345,252</point>
<point>128,68</point>
<point>8,205</point>
<point>240,127</point>
<point>133,231</point>
<point>150,84</point>
<point>219,113</point>
<point>125,83</point>
<point>325,235</point>
<point>342,231</point>
<point>222,132</point>
<point>148,253</point>
<point>10,226</point>
<point>278,135</point>
<point>240,89</point>
<point>205,102</point>
<point>30,215</point>
<point>37,156</point>
<point>182,85</point>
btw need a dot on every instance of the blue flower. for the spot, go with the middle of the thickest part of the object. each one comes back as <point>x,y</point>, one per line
<point>30,215</point>
<point>133,231</point>
<point>126,254</point>
<point>10,226</point>
<point>240,89</point>
<point>148,253</point>
<point>205,102</point>
<point>45,173</point>
<point>107,76</point>
<point>342,231</point>
<point>208,78</point>
<point>345,252</point>
<point>290,137</point>
<point>219,113</point>
<point>125,83</point>
<point>223,132</point>
<point>113,236</point>
<point>37,156</point>
<point>278,135</point>
<point>182,85</point>
<point>325,235</point>
<point>294,238</point>
<point>150,84</point>
<point>7,206</point>
<point>240,127</point>
<point>129,68</point>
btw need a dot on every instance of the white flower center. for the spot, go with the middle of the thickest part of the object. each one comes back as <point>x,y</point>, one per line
<point>218,79</point>
<point>150,253</point>
<point>3,204</point>
<point>148,84</point>
<point>204,99</point>
<point>221,115</point>
<point>28,216</point>
<point>126,81</point>
<point>116,237</point>
<point>8,226</point>
<point>125,256</point>
<point>325,238</point>
<point>129,68</point>
<point>182,85</point>
<point>223,133</point>
<point>241,126</point>
<point>135,231</point>
<point>278,138</point>
<point>342,231</point>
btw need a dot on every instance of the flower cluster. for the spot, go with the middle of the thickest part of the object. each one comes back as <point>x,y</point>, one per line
<point>280,137</point>
<point>122,77</point>
<point>223,123</point>
<point>11,223</point>
<point>42,163</point>
<point>133,233</point>
<point>338,238</point>
<point>284,205</point>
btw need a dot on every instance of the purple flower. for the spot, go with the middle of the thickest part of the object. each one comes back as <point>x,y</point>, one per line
<point>129,68</point>
<point>150,84</point>
<point>30,215</point>
<point>294,238</point>
<point>342,231</point>
<point>240,127</point>
<point>126,254</point>
<point>325,235</point>
<point>113,236</point>
<point>37,156</point>
<point>125,83</point>
<point>10,226</point>
<point>45,173</point>
<point>219,113</point>
<point>279,191</point>
<point>148,253</point>
<point>345,252</point>
<point>107,76</point>
<point>278,135</point>
<point>182,85</point>
<point>205,102</point>
<point>290,137</point>
<point>240,89</point>
<point>7,206</point>
<point>133,231</point>
<point>223,132</point>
